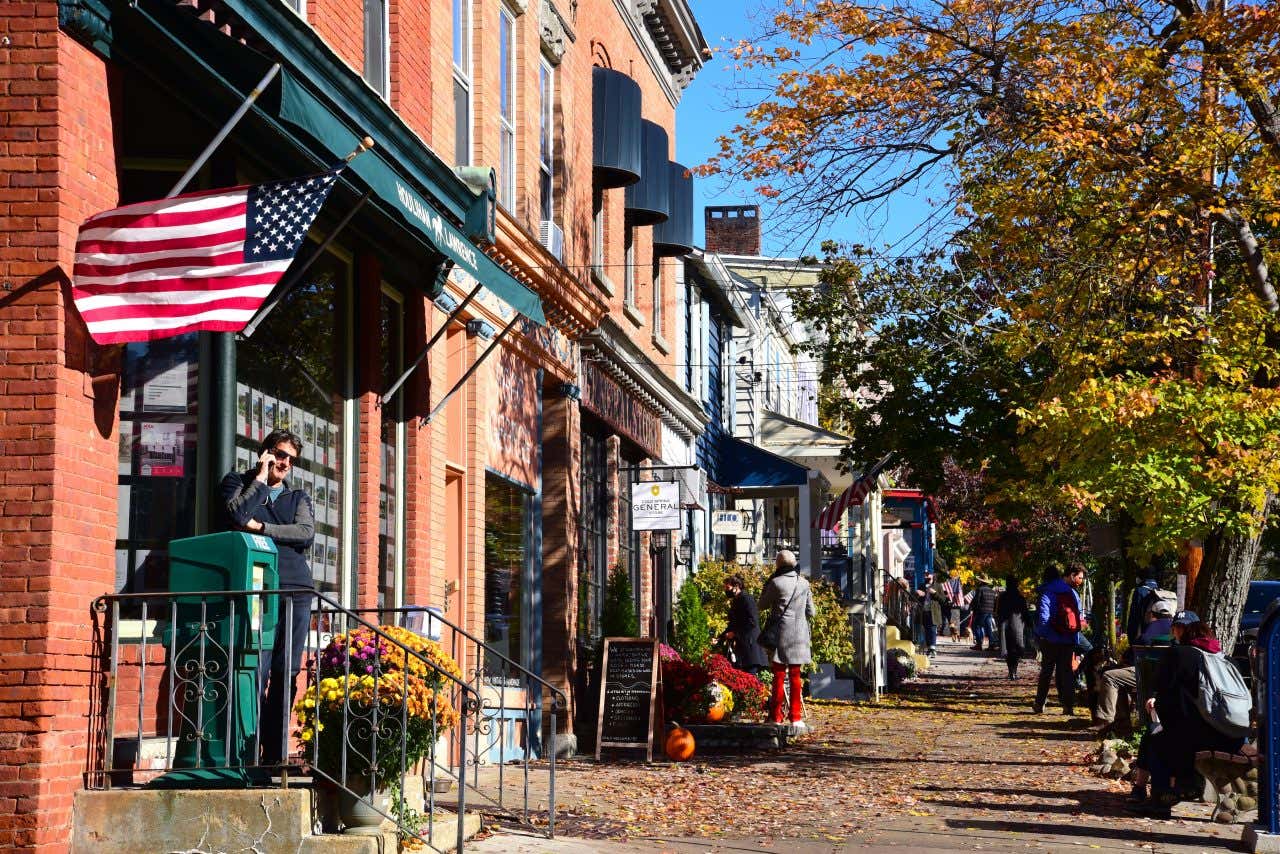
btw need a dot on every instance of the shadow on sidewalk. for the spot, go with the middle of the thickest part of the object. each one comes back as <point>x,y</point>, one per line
<point>1137,838</point>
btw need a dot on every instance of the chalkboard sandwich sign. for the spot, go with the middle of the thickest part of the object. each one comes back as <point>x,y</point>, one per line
<point>628,695</point>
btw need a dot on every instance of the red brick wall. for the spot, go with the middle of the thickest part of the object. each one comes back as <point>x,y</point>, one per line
<point>57,441</point>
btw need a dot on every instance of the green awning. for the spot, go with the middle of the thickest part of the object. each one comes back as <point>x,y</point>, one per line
<point>407,179</point>
<point>301,108</point>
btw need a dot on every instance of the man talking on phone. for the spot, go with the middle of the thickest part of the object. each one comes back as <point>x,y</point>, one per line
<point>260,501</point>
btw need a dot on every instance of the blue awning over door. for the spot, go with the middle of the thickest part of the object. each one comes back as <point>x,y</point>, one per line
<point>745,466</point>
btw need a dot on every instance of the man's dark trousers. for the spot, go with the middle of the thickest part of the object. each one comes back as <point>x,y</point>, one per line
<point>1055,658</point>
<point>276,716</point>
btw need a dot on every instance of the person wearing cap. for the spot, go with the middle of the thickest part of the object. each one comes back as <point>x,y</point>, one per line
<point>788,590</point>
<point>1158,632</point>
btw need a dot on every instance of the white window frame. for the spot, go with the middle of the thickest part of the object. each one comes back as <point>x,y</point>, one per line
<point>629,267</point>
<point>508,166</point>
<point>382,86</point>
<point>461,35</point>
<point>547,137</point>
<point>656,292</point>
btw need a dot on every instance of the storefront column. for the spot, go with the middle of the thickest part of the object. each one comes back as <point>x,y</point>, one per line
<point>561,510</point>
<point>368,379</point>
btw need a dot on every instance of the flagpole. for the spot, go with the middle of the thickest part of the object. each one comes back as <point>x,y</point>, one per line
<point>282,290</point>
<point>226,129</point>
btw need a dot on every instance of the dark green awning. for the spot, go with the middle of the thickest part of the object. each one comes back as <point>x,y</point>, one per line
<point>407,179</point>
<point>304,110</point>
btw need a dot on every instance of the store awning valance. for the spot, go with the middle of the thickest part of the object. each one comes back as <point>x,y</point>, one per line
<point>304,110</point>
<point>321,96</point>
<point>746,466</point>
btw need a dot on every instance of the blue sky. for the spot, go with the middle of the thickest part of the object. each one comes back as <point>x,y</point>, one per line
<point>706,112</point>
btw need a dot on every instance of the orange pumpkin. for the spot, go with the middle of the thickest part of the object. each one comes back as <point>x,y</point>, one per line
<point>680,744</point>
<point>715,714</point>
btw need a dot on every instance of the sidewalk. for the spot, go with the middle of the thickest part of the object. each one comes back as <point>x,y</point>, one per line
<point>954,762</point>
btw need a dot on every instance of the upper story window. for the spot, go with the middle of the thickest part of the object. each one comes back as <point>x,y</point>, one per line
<point>376,40</point>
<point>507,108</point>
<point>597,231</point>
<point>462,82</point>
<point>546,138</point>
<point>629,267</point>
<point>657,297</point>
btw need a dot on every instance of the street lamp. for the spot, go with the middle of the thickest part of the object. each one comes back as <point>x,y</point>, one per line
<point>684,552</point>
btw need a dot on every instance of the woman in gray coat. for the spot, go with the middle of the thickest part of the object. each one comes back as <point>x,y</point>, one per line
<point>789,591</point>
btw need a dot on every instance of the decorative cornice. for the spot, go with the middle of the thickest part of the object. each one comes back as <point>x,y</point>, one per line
<point>555,32</point>
<point>88,22</point>
<point>568,302</point>
<point>619,356</point>
<point>648,22</point>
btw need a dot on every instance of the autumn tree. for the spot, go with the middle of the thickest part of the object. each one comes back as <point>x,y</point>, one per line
<point>1111,178</point>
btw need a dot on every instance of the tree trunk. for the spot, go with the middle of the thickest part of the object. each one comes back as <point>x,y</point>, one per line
<point>1224,582</point>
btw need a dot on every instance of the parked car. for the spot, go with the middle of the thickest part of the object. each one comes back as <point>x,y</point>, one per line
<point>1261,595</point>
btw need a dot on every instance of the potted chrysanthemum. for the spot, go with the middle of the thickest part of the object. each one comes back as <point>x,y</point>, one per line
<point>384,708</point>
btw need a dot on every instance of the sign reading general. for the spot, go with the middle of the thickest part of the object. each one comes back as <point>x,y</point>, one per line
<point>726,522</point>
<point>655,506</point>
<point>628,694</point>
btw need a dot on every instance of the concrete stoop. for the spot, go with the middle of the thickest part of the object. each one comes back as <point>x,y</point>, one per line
<point>191,821</point>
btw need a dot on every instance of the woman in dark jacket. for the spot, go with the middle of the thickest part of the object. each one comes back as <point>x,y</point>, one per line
<point>1011,617</point>
<point>744,627</point>
<point>1182,731</point>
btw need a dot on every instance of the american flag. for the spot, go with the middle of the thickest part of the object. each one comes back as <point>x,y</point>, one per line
<point>200,261</point>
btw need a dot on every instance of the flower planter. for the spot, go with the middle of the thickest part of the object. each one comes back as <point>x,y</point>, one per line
<point>362,810</point>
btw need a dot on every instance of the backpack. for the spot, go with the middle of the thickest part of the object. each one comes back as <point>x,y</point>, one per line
<point>1155,596</point>
<point>1065,616</point>
<point>1222,697</point>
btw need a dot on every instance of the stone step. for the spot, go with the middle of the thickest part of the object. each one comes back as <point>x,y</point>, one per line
<point>143,821</point>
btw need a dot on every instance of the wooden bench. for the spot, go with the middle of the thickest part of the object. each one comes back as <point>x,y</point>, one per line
<point>1234,777</point>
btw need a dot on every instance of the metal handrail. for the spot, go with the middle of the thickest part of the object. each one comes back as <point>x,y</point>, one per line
<point>559,702</point>
<point>212,668</point>
<point>563,700</point>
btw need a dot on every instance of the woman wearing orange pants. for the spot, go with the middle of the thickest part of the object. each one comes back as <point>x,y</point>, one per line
<point>787,592</point>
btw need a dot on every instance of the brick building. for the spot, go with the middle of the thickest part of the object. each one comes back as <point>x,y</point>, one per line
<point>495,225</point>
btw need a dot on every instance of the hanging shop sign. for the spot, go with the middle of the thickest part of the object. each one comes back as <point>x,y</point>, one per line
<point>602,395</point>
<point>726,522</point>
<point>655,506</point>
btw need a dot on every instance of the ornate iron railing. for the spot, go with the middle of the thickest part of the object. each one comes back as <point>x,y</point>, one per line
<point>516,723</point>
<point>179,698</point>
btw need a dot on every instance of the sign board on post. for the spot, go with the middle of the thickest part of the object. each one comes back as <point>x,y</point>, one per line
<point>726,522</point>
<point>628,695</point>
<point>655,506</point>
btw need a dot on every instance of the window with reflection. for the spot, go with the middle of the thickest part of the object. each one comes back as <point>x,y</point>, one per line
<point>506,566</point>
<point>293,374</point>
<point>593,532</point>
<point>391,478</point>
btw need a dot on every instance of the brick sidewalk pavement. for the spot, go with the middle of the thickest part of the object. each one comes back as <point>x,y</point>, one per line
<point>955,762</point>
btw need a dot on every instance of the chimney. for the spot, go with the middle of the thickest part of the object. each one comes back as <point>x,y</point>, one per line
<point>733,229</point>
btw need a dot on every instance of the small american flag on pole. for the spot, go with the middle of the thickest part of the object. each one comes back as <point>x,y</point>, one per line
<point>201,261</point>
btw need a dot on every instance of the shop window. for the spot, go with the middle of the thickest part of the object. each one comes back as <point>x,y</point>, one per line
<point>293,374</point>
<point>507,109</point>
<point>462,82</point>
<point>391,480</point>
<point>157,460</point>
<point>593,534</point>
<point>159,424</point>
<point>506,568</point>
<point>628,540</point>
<point>376,41</point>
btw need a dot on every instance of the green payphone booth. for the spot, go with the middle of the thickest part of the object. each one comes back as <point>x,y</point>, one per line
<point>216,646</point>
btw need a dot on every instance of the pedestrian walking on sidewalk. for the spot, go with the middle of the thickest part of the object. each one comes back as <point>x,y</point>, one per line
<point>952,603</point>
<point>787,592</point>
<point>1058,627</point>
<point>1011,615</point>
<point>930,613</point>
<point>983,607</point>
<point>743,630</point>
